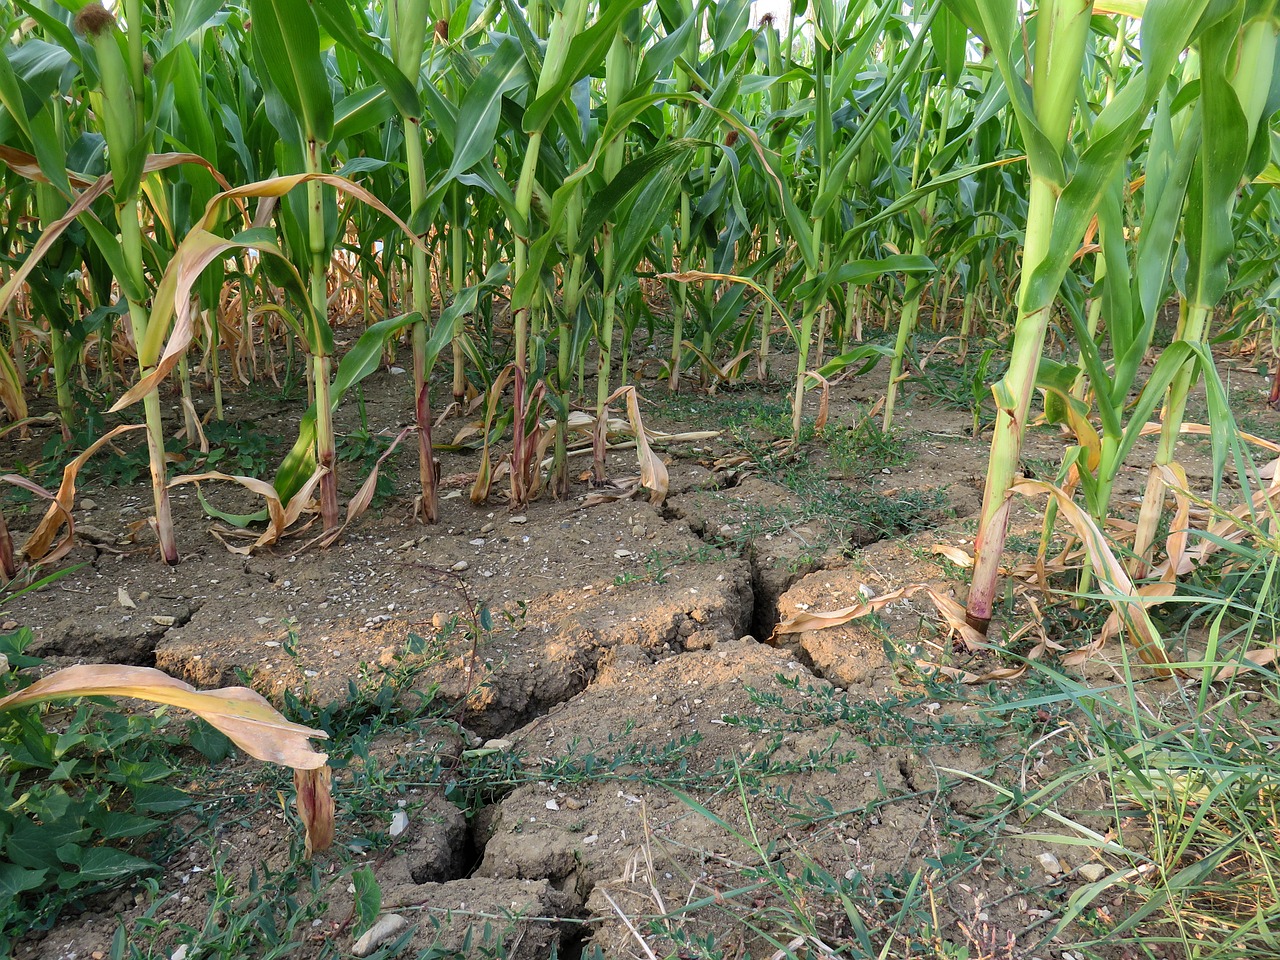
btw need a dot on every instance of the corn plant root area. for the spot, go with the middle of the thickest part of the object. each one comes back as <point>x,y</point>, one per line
<point>568,728</point>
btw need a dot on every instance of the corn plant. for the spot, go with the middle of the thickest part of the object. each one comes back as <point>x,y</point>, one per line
<point>1065,188</point>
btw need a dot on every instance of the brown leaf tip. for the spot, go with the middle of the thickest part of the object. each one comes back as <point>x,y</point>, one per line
<point>94,20</point>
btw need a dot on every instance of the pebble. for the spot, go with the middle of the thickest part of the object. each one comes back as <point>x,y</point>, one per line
<point>180,953</point>
<point>498,744</point>
<point>88,504</point>
<point>1093,872</point>
<point>1050,863</point>
<point>520,518</point>
<point>460,566</point>
<point>399,823</point>
<point>487,528</point>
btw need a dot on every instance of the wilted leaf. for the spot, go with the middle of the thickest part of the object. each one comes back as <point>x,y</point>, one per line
<point>653,472</point>
<point>1128,604</point>
<point>280,516</point>
<point>364,496</point>
<point>38,544</point>
<point>242,714</point>
<point>824,404</point>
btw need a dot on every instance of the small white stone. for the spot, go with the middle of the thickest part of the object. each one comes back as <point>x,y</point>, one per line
<point>460,566</point>
<point>1050,863</point>
<point>1093,872</point>
<point>399,823</point>
<point>386,927</point>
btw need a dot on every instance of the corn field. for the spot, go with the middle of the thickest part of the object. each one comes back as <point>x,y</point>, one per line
<point>505,198</point>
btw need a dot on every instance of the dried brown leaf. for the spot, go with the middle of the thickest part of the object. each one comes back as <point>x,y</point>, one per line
<point>315,807</point>
<point>820,620</point>
<point>653,472</point>
<point>1126,602</point>
<point>37,547</point>
<point>961,558</point>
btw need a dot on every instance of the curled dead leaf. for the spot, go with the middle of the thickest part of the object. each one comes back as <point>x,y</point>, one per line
<point>822,619</point>
<point>1127,603</point>
<point>653,472</point>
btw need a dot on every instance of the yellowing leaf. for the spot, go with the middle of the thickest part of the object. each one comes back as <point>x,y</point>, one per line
<point>240,713</point>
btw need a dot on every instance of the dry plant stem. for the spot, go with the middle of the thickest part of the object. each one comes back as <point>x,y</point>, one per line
<point>8,563</point>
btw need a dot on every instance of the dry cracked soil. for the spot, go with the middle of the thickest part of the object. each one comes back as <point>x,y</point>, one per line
<point>666,778</point>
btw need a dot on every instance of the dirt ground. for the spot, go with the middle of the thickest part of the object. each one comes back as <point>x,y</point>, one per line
<point>681,769</point>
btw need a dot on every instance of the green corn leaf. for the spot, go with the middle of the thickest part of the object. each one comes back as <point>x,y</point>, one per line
<point>868,355</point>
<point>632,176</point>
<point>237,520</point>
<point>1224,151</point>
<point>288,36</point>
<point>336,18</point>
<point>586,56</point>
<point>29,112</point>
<point>189,17</point>
<point>950,38</point>
<point>481,109</point>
